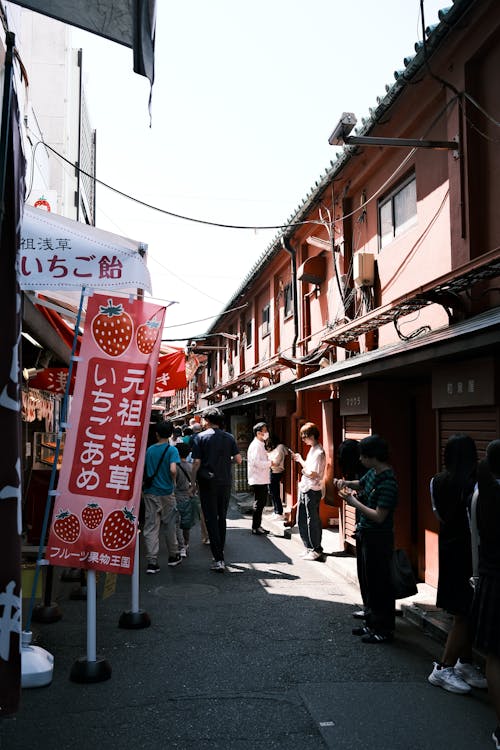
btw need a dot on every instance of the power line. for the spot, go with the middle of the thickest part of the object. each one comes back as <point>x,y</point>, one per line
<point>192,219</point>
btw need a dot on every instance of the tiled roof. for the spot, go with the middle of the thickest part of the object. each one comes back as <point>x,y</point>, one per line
<point>435,35</point>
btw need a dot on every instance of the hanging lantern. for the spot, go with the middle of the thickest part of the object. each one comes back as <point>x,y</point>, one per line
<point>43,204</point>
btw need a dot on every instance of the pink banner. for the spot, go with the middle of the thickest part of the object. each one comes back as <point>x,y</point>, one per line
<point>94,522</point>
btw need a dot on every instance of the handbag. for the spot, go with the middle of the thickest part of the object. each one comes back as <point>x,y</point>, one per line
<point>474,533</point>
<point>147,480</point>
<point>186,475</point>
<point>402,578</point>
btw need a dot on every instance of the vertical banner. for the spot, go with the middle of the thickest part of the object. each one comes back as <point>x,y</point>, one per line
<point>94,520</point>
<point>10,408</point>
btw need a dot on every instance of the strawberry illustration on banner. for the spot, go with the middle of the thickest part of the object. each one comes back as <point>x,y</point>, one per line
<point>99,491</point>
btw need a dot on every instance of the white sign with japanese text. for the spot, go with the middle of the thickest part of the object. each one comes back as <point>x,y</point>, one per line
<point>59,253</point>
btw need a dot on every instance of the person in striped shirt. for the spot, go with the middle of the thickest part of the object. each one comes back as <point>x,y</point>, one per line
<point>375,496</point>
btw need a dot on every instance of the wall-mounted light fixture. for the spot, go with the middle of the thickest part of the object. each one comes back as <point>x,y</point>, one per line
<point>340,136</point>
<point>30,372</point>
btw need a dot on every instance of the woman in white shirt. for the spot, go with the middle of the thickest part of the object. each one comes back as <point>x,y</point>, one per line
<point>277,453</point>
<point>313,469</point>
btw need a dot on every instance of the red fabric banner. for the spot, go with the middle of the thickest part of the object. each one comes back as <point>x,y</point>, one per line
<point>66,333</point>
<point>171,372</point>
<point>94,523</point>
<point>53,379</point>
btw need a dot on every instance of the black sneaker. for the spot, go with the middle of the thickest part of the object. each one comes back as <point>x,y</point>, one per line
<point>175,560</point>
<point>152,568</point>
<point>361,631</point>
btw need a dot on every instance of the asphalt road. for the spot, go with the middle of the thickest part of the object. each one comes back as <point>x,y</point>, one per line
<point>258,658</point>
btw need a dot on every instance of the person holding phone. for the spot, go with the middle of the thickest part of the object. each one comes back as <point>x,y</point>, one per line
<point>375,496</point>
<point>313,469</point>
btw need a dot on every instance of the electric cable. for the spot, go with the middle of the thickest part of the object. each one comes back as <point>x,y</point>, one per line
<point>210,317</point>
<point>174,215</point>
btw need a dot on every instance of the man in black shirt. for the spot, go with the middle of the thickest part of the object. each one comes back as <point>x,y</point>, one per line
<point>213,452</point>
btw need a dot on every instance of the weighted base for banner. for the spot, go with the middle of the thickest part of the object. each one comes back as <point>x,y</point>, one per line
<point>37,665</point>
<point>85,671</point>
<point>134,620</point>
<point>46,613</point>
<point>91,668</point>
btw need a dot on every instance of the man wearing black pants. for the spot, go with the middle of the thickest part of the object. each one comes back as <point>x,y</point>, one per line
<point>213,452</point>
<point>258,469</point>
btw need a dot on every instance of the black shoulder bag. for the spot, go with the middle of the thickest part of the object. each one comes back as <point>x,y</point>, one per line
<point>147,480</point>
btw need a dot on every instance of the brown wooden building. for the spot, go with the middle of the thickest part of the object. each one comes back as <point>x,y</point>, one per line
<point>383,315</point>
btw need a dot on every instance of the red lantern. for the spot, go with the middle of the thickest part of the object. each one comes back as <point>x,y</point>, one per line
<point>43,204</point>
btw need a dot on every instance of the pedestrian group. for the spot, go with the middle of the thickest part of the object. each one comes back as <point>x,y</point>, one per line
<point>189,474</point>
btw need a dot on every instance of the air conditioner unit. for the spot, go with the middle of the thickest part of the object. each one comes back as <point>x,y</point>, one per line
<point>363,269</point>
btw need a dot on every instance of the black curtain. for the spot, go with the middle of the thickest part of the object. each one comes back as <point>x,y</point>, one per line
<point>10,417</point>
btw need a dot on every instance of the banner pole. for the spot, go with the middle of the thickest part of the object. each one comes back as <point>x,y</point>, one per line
<point>91,616</point>
<point>135,618</point>
<point>37,664</point>
<point>91,668</point>
<point>51,492</point>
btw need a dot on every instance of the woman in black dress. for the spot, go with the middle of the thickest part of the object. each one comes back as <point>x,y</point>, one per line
<point>486,605</point>
<point>451,491</point>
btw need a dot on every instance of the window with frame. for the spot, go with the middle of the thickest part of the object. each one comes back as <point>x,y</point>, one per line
<point>266,320</point>
<point>248,333</point>
<point>397,212</point>
<point>288,296</point>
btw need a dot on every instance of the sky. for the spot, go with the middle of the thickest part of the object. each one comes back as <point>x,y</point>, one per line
<point>244,99</point>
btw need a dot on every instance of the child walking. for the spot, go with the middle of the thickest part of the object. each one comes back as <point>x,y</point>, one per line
<point>185,515</point>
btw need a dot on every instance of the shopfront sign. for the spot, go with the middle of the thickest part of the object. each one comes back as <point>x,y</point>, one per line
<point>94,521</point>
<point>58,253</point>
<point>353,398</point>
<point>52,379</point>
<point>470,383</point>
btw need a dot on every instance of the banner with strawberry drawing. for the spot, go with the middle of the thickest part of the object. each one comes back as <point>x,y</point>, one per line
<point>94,520</point>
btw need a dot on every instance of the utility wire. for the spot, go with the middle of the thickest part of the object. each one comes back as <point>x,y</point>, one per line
<point>171,213</point>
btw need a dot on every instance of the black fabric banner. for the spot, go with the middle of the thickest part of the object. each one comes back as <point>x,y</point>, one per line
<point>10,422</point>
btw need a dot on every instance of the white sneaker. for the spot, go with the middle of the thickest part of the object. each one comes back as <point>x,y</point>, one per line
<point>470,674</point>
<point>446,678</point>
<point>219,566</point>
<point>305,553</point>
<point>183,552</point>
<point>313,555</point>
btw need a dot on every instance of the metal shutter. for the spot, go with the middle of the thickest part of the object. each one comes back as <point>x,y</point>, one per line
<point>356,427</point>
<point>481,423</point>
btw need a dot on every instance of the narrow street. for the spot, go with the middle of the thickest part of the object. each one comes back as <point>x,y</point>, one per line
<point>257,658</point>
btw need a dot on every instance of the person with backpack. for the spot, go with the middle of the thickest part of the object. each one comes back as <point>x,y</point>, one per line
<point>184,499</point>
<point>160,507</point>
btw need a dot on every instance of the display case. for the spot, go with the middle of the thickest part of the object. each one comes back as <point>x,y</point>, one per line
<point>45,450</point>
